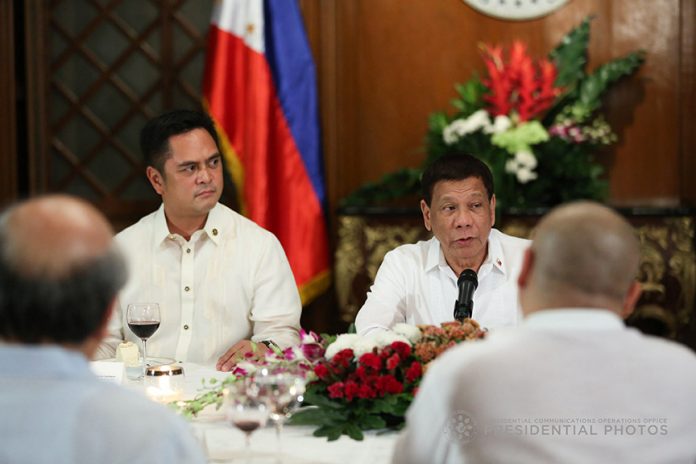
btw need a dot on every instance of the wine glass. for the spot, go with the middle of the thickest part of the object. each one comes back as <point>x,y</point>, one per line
<point>283,390</point>
<point>143,320</point>
<point>245,409</point>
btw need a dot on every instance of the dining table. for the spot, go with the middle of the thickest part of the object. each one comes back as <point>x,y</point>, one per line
<point>223,442</point>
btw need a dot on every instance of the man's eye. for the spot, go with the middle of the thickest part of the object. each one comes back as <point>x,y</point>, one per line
<point>214,162</point>
<point>449,208</point>
<point>476,205</point>
<point>188,169</point>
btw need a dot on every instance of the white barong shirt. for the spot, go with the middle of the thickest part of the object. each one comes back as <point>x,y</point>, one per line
<point>231,281</point>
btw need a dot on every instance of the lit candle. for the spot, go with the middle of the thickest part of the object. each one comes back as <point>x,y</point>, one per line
<point>164,384</point>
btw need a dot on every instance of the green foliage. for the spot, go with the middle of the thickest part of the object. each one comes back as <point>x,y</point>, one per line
<point>334,418</point>
<point>394,185</point>
<point>211,396</point>
<point>593,86</point>
<point>470,96</point>
<point>570,55</point>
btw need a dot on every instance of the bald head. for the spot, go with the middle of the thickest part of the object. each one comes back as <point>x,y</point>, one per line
<point>50,236</point>
<point>584,254</point>
<point>59,270</point>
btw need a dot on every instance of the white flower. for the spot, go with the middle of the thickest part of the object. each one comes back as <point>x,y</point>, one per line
<point>364,345</point>
<point>387,337</point>
<point>411,332</point>
<point>460,127</point>
<point>343,342</point>
<point>449,134</point>
<point>511,166</point>
<point>524,175</point>
<point>526,159</point>
<point>478,120</point>
<point>522,165</point>
<point>500,124</point>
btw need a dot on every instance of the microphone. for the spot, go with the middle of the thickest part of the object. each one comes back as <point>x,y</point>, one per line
<point>467,283</point>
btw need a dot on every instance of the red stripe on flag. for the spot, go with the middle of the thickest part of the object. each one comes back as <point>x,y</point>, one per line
<point>277,191</point>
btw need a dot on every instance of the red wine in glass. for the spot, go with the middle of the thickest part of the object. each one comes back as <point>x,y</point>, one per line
<point>143,320</point>
<point>144,329</point>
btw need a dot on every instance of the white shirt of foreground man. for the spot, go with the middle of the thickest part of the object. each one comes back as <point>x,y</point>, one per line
<point>566,386</point>
<point>415,285</point>
<point>572,384</point>
<point>205,285</point>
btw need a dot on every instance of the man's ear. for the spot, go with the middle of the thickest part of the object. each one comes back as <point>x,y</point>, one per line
<point>631,299</point>
<point>425,209</point>
<point>526,270</point>
<point>493,209</point>
<point>156,179</point>
<point>103,329</point>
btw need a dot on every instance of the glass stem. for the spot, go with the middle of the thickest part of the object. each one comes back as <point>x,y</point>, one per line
<point>279,433</point>
<point>144,355</point>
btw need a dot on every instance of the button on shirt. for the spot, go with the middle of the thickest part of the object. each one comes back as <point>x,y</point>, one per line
<point>230,281</point>
<point>55,410</point>
<point>415,285</point>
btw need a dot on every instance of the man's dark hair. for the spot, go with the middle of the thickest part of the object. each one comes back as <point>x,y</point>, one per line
<point>68,309</point>
<point>154,137</point>
<point>455,167</point>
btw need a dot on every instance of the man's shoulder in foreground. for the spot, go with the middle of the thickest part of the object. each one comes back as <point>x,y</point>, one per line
<point>507,240</point>
<point>80,419</point>
<point>123,417</point>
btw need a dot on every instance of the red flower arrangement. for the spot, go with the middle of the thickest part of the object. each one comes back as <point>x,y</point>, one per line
<point>355,392</point>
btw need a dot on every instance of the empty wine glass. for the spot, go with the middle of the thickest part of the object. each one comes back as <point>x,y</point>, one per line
<point>245,409</point>
<point>283,390</point>
<point>143,320</point>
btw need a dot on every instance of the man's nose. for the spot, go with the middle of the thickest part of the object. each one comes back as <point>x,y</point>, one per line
<point>204,175</point>
<point>463,218</point>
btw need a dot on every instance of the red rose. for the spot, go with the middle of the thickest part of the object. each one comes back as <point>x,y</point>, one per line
<point>386,352</point>
<point>366,392</point>
<point>414,372</point>
<point>371,360</point>
<point>360,373</point>
<point>336,390</point>
<point>351,389</point>
<point>343,358</point>
<point>393,362</point>
<point>387,384</point>
<point>322,371</point>
<point>403,349</point>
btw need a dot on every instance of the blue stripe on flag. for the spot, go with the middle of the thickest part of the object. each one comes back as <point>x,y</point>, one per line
<point>290,60</point>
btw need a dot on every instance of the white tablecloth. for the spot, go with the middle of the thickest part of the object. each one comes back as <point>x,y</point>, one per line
<point>225,443</point>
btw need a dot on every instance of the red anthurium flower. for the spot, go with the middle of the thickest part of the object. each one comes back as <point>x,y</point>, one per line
<point>519,84</point>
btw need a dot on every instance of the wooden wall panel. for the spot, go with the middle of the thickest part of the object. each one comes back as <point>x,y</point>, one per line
<point>8,127</point>
<point>387,64</point>
<point>687,99</point>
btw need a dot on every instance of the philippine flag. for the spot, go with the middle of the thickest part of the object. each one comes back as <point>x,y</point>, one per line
<point>260,88</point>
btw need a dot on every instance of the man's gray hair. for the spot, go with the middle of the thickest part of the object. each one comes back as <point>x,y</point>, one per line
<point>38,307</point>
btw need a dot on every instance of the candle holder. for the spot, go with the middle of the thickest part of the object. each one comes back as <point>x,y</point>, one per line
<point>164,384</point>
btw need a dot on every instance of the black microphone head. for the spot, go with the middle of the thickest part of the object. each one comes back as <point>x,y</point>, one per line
<point>468,275</point>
